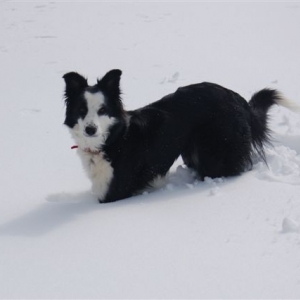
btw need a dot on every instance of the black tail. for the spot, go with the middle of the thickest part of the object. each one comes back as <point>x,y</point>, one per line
<point>260,104</point>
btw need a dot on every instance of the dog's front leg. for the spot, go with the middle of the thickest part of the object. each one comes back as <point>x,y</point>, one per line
<point>100,172</point>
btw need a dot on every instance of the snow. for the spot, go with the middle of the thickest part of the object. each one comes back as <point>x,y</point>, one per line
<point>290,225</point>
<point>221,238</point>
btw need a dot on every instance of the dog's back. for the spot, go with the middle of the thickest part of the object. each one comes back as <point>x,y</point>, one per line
<point>209,126</point>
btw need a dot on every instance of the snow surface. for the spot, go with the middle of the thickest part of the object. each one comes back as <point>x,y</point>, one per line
<point>222,238</point>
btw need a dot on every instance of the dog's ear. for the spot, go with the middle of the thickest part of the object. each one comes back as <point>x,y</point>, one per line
<point>75,83</point>
<point>111,81</point>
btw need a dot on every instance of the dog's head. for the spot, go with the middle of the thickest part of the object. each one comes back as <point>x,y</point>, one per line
<point>93,111</point>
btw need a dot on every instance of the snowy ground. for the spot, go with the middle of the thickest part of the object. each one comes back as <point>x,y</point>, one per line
<point>222,238</point>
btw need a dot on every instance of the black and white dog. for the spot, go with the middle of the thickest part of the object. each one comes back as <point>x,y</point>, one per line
<point>214,130</point>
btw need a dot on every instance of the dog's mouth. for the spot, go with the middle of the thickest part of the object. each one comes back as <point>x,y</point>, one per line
<point>90,136</point>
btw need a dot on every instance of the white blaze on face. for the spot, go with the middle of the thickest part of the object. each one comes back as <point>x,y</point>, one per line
<point>102,123</point>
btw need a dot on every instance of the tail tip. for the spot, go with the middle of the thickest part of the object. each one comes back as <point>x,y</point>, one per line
<point>287,103</point>
<point>265,98</point>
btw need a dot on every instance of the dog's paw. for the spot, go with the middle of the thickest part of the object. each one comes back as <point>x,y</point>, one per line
<point>106,200</point>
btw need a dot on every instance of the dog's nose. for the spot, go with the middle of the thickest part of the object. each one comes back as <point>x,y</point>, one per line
<point>90,130</point>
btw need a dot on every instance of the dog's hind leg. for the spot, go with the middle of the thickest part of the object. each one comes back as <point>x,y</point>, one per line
<point>218,156</point>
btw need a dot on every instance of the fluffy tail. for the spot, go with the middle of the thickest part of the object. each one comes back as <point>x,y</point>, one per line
<point>260,104</point>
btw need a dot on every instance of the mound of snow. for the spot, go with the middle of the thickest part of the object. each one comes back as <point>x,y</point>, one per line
<point>283,166</point>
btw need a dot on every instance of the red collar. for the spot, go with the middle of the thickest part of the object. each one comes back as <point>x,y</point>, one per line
<point>87,150</point>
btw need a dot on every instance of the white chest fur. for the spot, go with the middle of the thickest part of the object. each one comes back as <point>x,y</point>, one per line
<point>99,170</point>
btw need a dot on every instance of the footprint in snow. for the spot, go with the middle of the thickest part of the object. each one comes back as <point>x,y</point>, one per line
<point>171,79</point>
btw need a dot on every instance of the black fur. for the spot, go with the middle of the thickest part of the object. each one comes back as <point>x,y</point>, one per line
<point>214,129</point>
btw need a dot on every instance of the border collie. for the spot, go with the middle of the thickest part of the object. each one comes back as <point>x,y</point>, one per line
<point>214,129</point>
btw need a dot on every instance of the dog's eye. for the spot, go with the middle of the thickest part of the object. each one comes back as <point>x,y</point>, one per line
<point>82,111</point>
<point>101,111</point>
